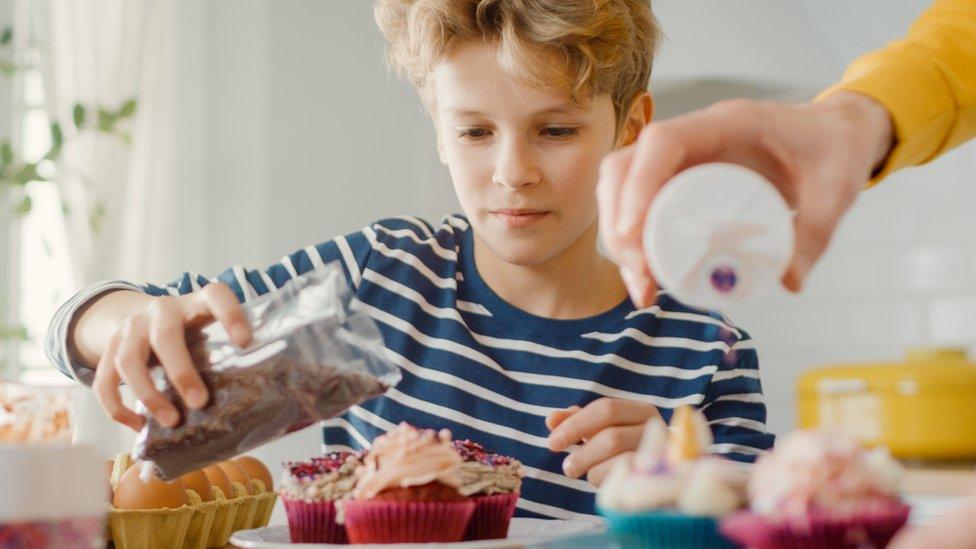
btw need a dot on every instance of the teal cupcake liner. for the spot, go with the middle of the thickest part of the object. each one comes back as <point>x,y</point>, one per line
<point>665,529</point>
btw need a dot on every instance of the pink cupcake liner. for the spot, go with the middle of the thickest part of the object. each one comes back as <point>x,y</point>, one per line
<point>864,530</point>
<point>491,517</point>
<point>313,522</point>
<point>407,521</point>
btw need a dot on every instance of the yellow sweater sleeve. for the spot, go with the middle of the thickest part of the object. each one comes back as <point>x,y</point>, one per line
<point>927,81</point>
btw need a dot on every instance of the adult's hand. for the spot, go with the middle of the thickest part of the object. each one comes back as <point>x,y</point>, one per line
<point>819,155</point>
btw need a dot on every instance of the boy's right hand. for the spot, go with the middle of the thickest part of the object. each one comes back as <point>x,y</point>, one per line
<point>159,330</point>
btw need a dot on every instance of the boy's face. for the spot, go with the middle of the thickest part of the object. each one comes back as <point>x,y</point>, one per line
<point>524,160</point>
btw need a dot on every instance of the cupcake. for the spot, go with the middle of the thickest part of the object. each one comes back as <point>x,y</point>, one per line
<point>821,490</point>
<point>494,482</point>
<point>310,489</point>
<point>669,493</point>
<point>408,490</point>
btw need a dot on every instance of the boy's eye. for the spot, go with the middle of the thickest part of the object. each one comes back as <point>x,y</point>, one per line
<point>473,133</point>
<point>558,132</point>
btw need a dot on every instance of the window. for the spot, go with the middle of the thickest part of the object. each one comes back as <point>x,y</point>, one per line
<point>38,267</point>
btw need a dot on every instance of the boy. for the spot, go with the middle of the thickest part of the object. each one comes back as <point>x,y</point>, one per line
<point>509,327</point>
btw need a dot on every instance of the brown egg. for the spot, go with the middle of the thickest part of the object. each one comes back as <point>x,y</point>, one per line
<point>256,469</point>
<point>236,473</point>
<point>133,493</point>
<point>199,483</point>
<point>219,478</point>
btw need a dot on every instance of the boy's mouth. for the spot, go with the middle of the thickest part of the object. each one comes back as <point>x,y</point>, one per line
<point>519,217</point>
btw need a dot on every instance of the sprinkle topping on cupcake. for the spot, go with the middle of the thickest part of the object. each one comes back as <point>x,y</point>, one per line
<point>487,473</point>
<point>814,471</point>
<point>324,478</point>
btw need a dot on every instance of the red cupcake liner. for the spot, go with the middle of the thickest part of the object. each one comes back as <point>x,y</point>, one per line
<point>313,522</point>
<point>407,521</point>
<point>491,517</point>
<point>863,530</point>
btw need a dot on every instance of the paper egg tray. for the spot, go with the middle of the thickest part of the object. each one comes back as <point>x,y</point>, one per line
<point>197,525</point>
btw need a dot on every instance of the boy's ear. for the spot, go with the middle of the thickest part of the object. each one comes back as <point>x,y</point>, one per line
<point>640,115</point>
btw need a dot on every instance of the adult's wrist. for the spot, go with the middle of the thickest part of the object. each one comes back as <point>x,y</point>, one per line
<point>873,129</point>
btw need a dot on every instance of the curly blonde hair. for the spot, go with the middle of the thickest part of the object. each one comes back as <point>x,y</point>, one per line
<point>588,47</point>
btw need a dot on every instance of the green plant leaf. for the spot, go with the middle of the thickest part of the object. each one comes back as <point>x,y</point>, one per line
<point>128,109</point>
<point>13,332</point>
<point>7,36</point>
<point>24,207</point>
<point>96,217</point>
<point>57,139</point>
<point>26,174</point>
<point>6,153</point>
<point>79,114</point>
<point>106,120</point>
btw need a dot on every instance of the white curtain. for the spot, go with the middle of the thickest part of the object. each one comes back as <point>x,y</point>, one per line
<point>152,190</point>
<point>102,53</point>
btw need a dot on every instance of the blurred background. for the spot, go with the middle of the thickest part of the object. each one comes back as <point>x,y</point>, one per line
<point>142,138</point>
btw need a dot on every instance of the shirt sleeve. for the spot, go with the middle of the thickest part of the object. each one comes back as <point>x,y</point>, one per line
<point>351,251</point>
<point>927,81</point>
<point>735,407</point>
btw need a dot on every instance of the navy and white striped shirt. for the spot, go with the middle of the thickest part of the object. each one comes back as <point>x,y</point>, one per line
<point>488,371</point>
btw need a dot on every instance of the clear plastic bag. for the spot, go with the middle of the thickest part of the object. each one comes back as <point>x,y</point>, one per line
<point>315,353</point>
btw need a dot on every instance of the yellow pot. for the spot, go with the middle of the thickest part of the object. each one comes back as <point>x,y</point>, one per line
<point>923,408</point>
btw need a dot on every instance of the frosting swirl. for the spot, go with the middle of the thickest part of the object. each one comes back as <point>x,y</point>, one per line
<point>407,457</point>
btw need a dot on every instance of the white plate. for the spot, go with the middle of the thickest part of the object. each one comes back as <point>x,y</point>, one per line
<point>523,531</point>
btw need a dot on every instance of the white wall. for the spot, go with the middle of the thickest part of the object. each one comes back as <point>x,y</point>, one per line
<point>312,138</point>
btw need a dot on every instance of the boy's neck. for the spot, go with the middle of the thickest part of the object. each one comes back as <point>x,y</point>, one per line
<point>578,283</point>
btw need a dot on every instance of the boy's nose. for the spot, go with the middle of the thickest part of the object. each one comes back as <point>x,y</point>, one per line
<point>515,168</point>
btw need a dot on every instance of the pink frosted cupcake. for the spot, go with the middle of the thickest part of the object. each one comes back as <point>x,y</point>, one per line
<point>408,491</point>
<point>310,489</point>
<point>494,482</point>
<point>820,490</point>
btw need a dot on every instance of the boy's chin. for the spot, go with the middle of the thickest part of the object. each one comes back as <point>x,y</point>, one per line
<point>523,254</point>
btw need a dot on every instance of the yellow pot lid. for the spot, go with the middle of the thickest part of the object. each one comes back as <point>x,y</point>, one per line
<point>926,366</point>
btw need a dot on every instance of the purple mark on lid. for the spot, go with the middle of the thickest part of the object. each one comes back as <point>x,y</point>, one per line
<point>724,279</point>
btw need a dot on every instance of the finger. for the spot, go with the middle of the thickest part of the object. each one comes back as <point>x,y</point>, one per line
<point>132,365</point>
<point>555,418</point>
<point>221,303</point>
<point>106,387</point>
<point>613,170</point>
<point>814,227</point>
<point>659,156</point>
<point>168,339</point>
<point>595,417</point>
<point>604,445</point>
<point>598,473</point>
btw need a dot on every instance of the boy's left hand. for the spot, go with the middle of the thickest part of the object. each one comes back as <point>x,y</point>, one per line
<point>607,428</point>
